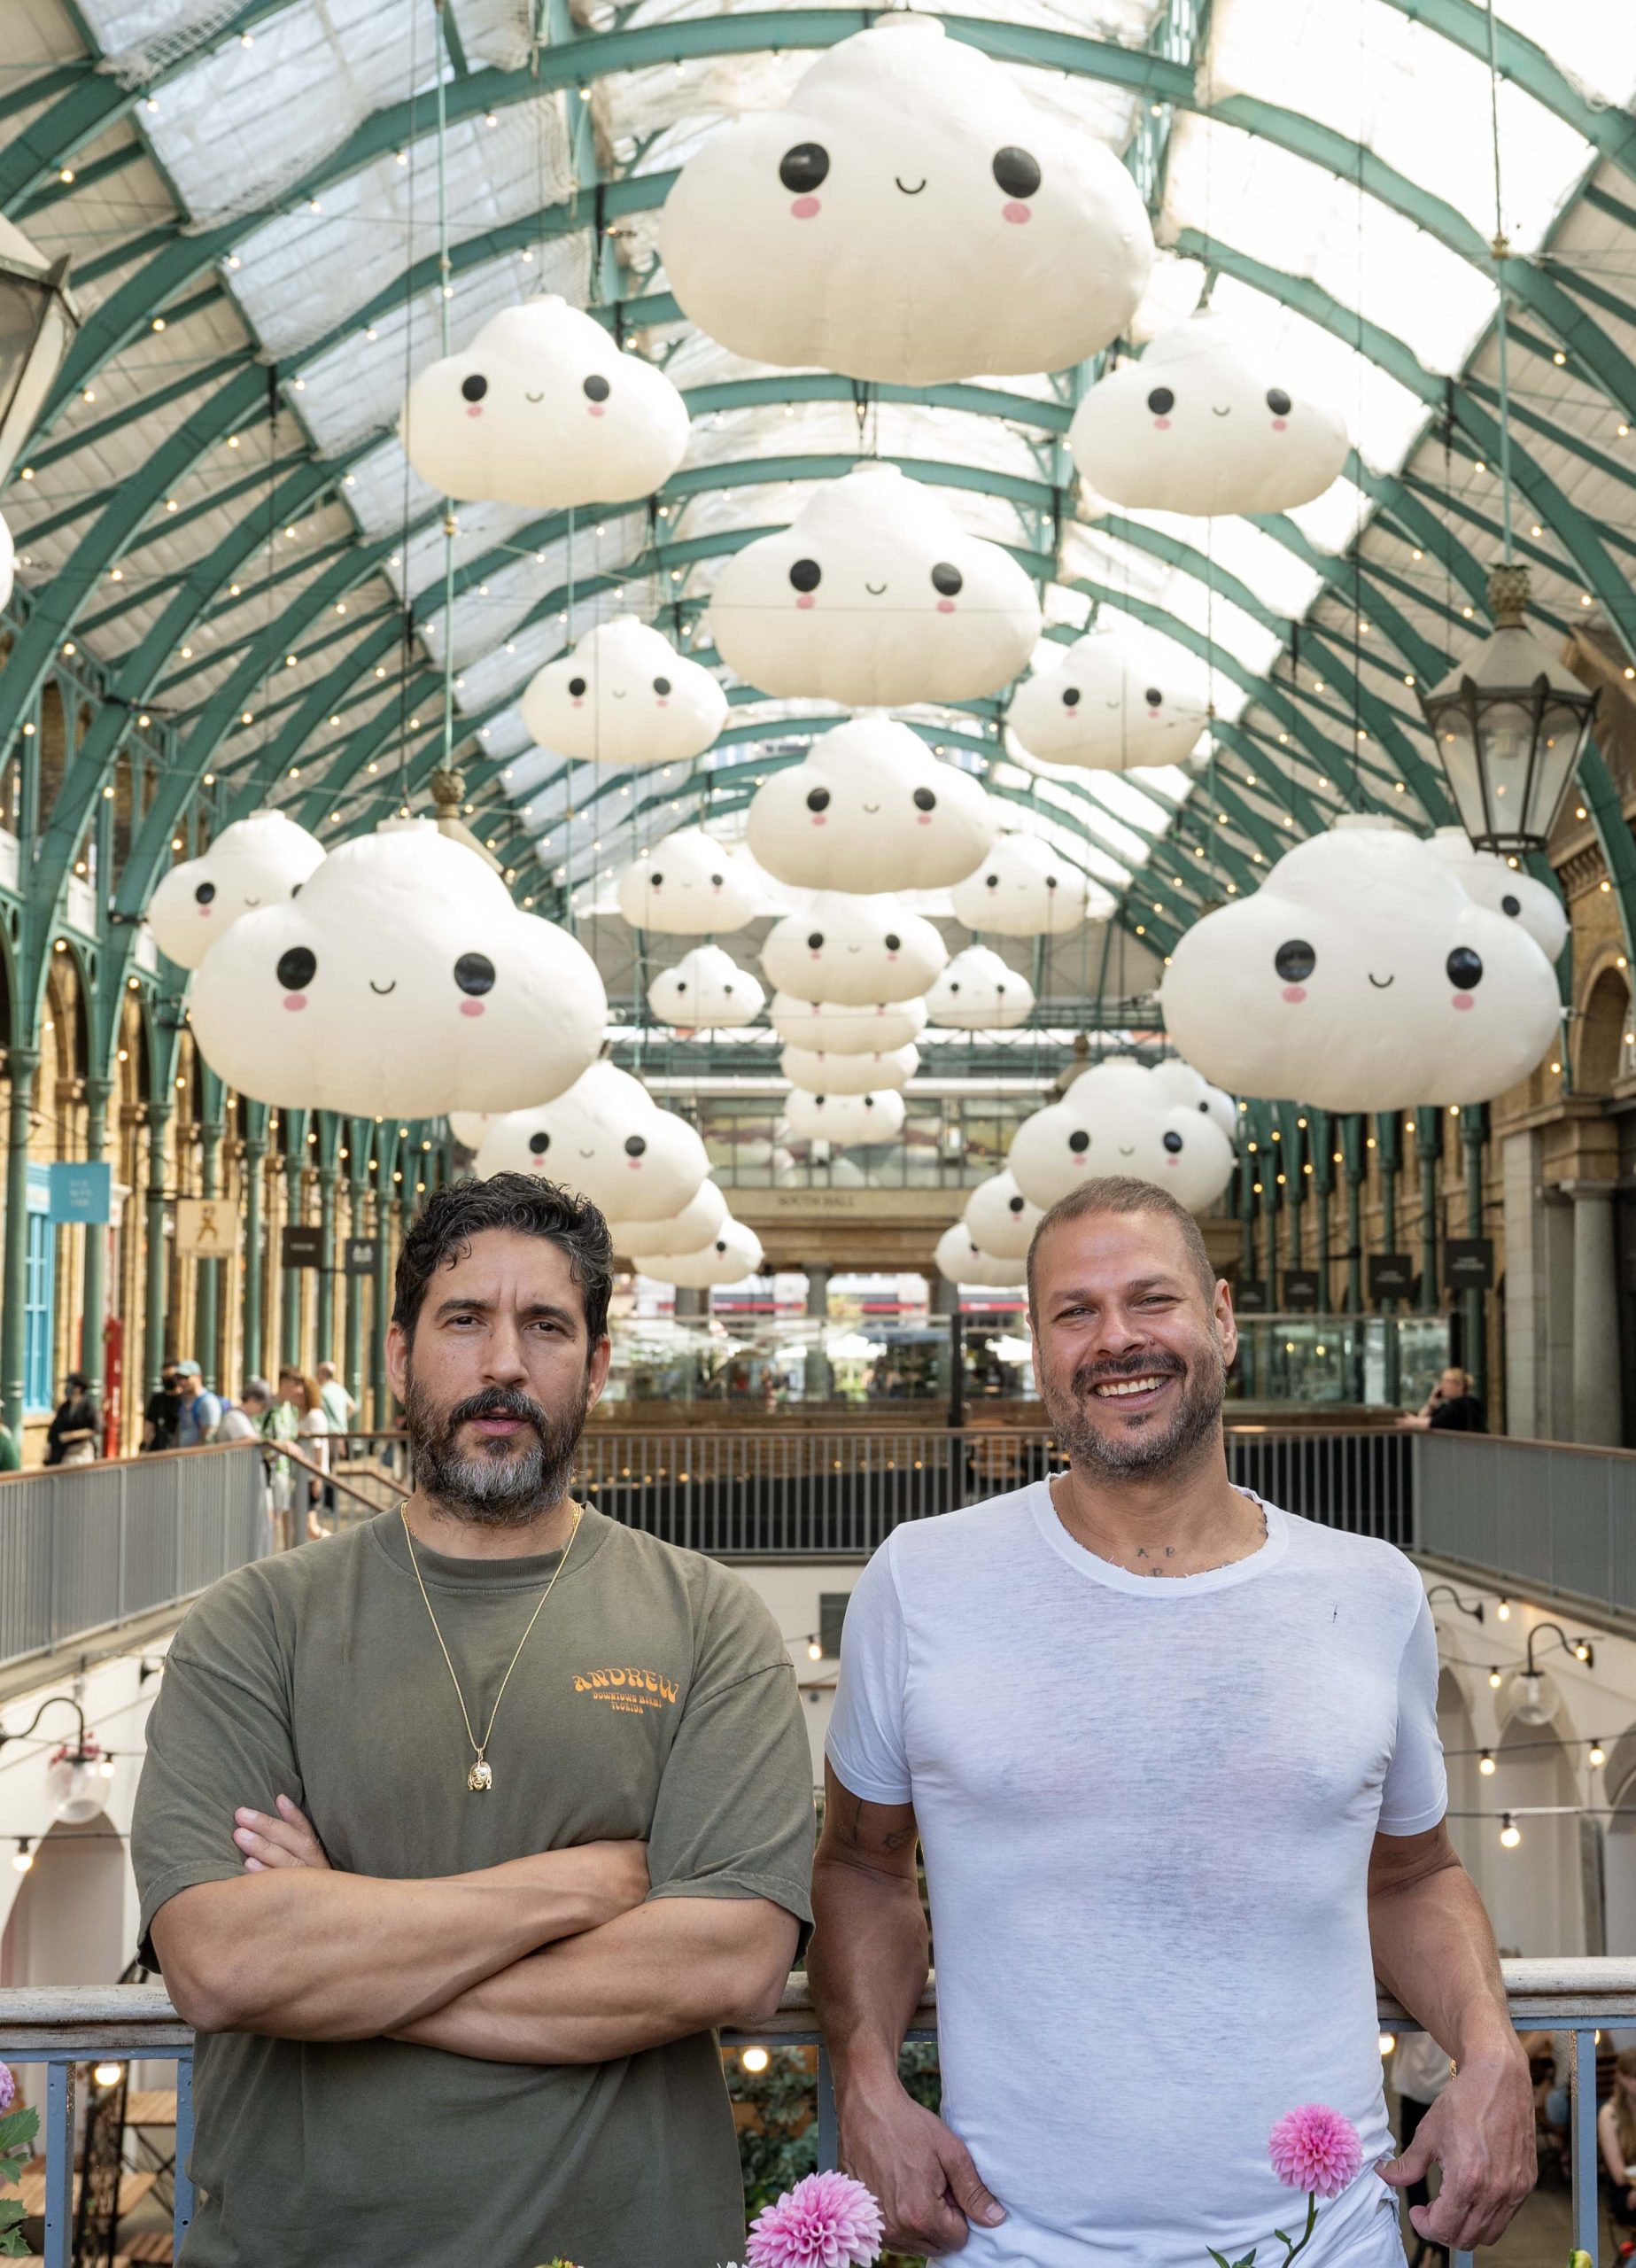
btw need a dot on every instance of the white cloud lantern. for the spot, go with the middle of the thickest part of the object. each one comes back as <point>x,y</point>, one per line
<point>842,1119</point>
<point>1362,976</point>
<point>731,1255</point>
<point>698,1222</point>
<point>1025,888</point>
<point>402,982</point>
<point>261,860</point>
<point>822,1074</point>
<point>979,992</point>
<point>875,595</point>
<point>1209,420</point>
<point>1504,889</point>
<point>1121,1118</point>
<point>606,1139</point>
<point>542,409</point>
<point>706,990</point>
<point>855,951</point>
<point>625,696</point>
<point>1117,701</point>
<point>960,1260</point>
<point>999,1219</point>
<point>690,885</point>
<point>831,1027</point>
<point>912,216</point>
<point>869,808</point>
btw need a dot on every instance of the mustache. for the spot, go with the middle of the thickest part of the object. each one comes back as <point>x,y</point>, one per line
<point>1158,1365</point>
<point>499,1401</point>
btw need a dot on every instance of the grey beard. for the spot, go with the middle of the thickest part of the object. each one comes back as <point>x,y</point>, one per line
<point>492,1487</point>
<point>1148,1453</point>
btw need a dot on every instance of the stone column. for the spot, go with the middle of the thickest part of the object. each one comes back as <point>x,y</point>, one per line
<point>1428,1147</point>
<point>21,1064</point>
<point>95,1298</point>
<point>157,1273</point>
<point>819,1382</point>
<point>255,1156</point>
<point>1597,1414</point>
<point>207,1337</point>
<point>291,1279</point>
<point>327,1266</point>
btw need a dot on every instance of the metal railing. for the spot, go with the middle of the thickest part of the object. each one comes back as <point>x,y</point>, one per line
<point>63,2028</point>
<point>87,1546</point>
<point>1546,1516</point>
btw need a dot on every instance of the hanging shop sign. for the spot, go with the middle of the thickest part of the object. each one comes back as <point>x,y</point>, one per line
<point>1250,1296</point>
<point>303,1246</point>
<point>80,1191</point>
<point>207,1227</point>
<point>1303,1291</point>
<point>1391,1276</point>
<point>1469,1263</point>
<point>359,1255</point>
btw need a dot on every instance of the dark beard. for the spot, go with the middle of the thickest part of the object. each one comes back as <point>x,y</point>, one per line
<point>1151,1452</point>
<point>497,1484</point>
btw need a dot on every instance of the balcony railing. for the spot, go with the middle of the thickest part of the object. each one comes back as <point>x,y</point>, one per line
<point>64,2028</point>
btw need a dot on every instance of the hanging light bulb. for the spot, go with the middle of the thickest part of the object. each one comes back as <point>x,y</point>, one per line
<point>1598,1756</point>
<point>815,1652</point>
<point>108,2074</point>
<point>1485,1764</point>
<point>25,1855</point>
<point>1502,1608</point>
<point>1510,1833</point>
<point>1495,1678</point>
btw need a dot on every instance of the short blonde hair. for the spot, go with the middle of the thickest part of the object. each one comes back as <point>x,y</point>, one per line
<point>1123,1194</point>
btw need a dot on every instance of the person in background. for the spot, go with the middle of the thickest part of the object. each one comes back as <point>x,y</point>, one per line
<point>248,1422</point>
<point>163,1414</point>
<point>201,1411</point>
<point>10,1453</point>
<point>337,1402</point>
<point>1420,2070</point>
<point>301,1393</point>
<point>1615,2136</point>
<point>76,1429</point>
<point>1450,1408</point>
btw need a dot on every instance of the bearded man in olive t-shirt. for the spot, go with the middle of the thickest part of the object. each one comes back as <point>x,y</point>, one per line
<point>458,1833</point>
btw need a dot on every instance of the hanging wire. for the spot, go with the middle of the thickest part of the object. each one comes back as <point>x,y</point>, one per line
<point>406,644</point>
<point>445,290</point>
<point>1502,252</point>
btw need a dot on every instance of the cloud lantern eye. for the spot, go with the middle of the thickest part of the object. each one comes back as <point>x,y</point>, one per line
<point>655,880</point>
<point>1154,697</point>
<point>806,574</point>
<point>1015,1204</point>
<point>1071,697</point>
<point>205,893</point>
<point>717,880</point>
<point>804,169</point>
<point>925,800</point>
<point>1507,904</point>
<point>1465,968</point>
<point>474,972</point>
<point>1277,402</point>
<point>474,388</point>
<point>947,579</point>
<point>991,881</point>
<point>893,942</point>
<point>1295,960</point>
<point>1161,402</point>
<point>538,1144</point>
<point>634,1146</point>
<point>1173,1143</point>
<point>661,686</point>
<point>814,943</point>
<point>577,686</point>
<point>596,388</point>
<point>1016,172</point>
<point>1079,1141</point>
<point>1050,881</point>
<point>297,968</point>
<point>817,799</point>
<point>721,1244</point>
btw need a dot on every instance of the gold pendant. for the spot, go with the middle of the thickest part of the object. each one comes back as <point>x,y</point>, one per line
<point>479,1779</point>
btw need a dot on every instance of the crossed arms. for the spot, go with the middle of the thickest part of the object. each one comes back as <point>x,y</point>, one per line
<point>560,1958</point>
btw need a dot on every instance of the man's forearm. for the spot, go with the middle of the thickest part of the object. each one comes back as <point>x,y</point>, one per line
<point>1434,1950</point>
<point>867,1967</point>
<point>298,1955</point>
<point>670,1967</point>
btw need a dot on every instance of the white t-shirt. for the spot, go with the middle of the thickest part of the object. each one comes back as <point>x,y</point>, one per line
<point>1147,1806</point>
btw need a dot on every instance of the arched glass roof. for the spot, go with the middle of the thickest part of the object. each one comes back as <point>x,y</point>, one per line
<point>216,515</point>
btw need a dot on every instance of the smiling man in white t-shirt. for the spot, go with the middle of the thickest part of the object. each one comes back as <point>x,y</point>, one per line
<point>1172,1757</point>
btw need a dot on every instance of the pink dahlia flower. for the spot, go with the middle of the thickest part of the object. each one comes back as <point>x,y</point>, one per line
<point>1314,2148</point>
<point>8,2090</point>
<point>827,2221</point>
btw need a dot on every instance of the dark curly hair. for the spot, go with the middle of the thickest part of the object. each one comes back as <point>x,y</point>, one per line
<point>522,1202</point>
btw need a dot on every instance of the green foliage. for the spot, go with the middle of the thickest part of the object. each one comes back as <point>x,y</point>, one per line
<point>19,2130</point>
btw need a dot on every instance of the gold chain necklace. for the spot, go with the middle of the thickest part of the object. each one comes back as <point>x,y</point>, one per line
<point>480,1779</point>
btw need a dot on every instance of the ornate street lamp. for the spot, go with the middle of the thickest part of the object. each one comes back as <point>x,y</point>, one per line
<point>38,320</point>
<point>1510,722</point>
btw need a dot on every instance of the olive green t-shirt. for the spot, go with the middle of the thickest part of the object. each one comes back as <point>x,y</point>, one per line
<point>655,1700</point>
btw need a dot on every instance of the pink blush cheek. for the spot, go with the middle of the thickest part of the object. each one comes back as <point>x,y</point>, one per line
<point>579,704</point>
<point>1464,1000</point>
<point>818,819</point>
<point>1015,213</point>
<point>1279,424</point>
<point>1294,994</point>
<point>806,598</point>
<point>662,704</point>
<point>804,208</point>
<point>594,409</point>
<point>1162,424</point>
<point>923,819</point>
<point>945,606</point>
<point>295,1001</point>
<point>476,410</point>
<point>204,913</point>
<point>471,1007</point>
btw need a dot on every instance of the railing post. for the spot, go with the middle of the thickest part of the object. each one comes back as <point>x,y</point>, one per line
<point>58,2164</point>
<point>182,2181</point>
<point>828,2122</point>
<point>1582,2115</point>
